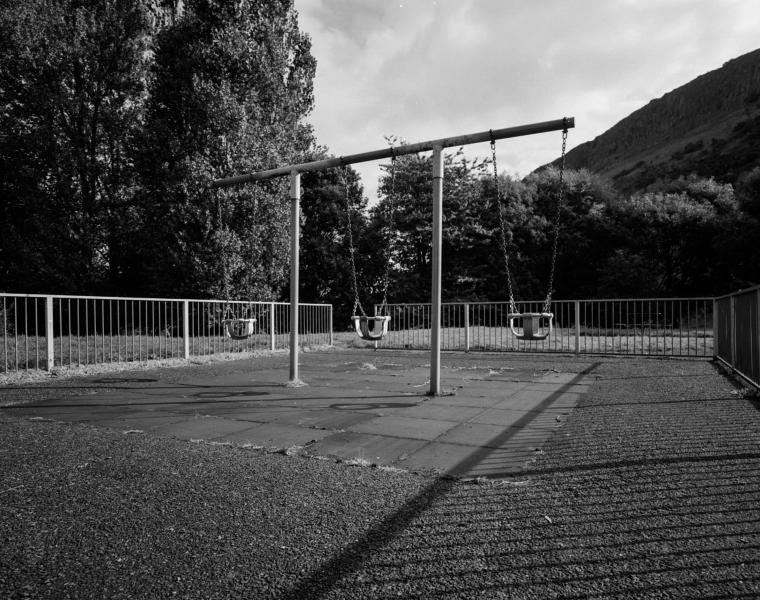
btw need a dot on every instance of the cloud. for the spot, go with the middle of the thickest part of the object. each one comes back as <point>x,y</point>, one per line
<point>425,69</point>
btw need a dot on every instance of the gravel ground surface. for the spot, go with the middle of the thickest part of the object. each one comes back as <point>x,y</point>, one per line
<point>651,489</point>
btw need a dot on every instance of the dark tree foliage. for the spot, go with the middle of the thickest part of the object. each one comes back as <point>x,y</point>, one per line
<point>330,198</point>
<point>116,115</point>
<point>406,193</point>
<point>584,232</point>
<point>691,237</point>
<point>232,83</point>
<point>72,90</point>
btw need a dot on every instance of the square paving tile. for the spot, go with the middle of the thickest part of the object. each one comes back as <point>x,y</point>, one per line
<point>470,400</point>
<point>421,429</point>
<point>142,420</point>
<point>440,458</point>
<point>332,419</point>
<point>274,435</point>
<point>441,412</point>
<point>373,448</point>
<point>472,434</point>
<point>500,417</point>
<point>202,428</point>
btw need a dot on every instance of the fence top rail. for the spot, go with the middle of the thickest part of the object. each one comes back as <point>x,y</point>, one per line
<point>748,290</point>
<point>138,299</point>
<point>506,302</point>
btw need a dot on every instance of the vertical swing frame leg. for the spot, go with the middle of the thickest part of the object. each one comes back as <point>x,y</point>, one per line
<point>435,300</point>
<point>295,232</point>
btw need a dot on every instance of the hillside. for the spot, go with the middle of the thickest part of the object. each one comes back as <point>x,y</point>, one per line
<point>709,126</point>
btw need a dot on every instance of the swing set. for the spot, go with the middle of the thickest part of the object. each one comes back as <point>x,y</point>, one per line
<point>370,328</point>
<point>530,324</point>
<point>533,326</point>
<point>235,327</point>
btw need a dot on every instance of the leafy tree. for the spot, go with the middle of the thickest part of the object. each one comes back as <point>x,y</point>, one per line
<point>517,213</point>
<point>584,230</point>
<point>674,243</point>
<point>406,190</point>
<point>72,90</point>
<point>232,83</point>
<point>325,254</point>
<point>748,193</point>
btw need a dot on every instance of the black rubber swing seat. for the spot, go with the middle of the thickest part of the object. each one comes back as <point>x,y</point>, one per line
<point>379,327</point>
<point>238,329</point>
<point>530,327</point>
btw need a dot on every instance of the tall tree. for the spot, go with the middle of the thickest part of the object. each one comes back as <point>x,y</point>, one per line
<point>674,243</point>
<point>72,89</point>
<point>584,233</point>
<point>512,205</point>
<point>406,191</point>
<point>232,84</point>
<point>331,199</point>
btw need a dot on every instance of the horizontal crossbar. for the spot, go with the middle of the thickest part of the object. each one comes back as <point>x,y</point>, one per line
<point>461,140</point>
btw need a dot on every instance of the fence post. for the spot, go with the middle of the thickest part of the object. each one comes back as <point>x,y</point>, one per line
<point>757,356</point>
<point>577,326</point>
<point>330,324</point>
<point>49,332</point>
<point>186,328</point>
<point>715,328</point>
<point>271,327</point>
<point>732,328</point>
<point>466,327</point>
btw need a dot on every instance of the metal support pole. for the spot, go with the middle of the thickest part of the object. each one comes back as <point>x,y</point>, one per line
<point>295,232</point>
<point>272,324</point>
<point>732,329</point>
<point>186,329</point>
<point>716,328</point>
<point>577,327</point>
<point>49,332</point>
<point>435,300</point>
<point>330,324</point>
<point>466,327</point>
<point>756,357</point>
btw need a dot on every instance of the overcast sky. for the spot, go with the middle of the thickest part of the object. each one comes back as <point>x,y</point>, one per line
<point>427,69</point>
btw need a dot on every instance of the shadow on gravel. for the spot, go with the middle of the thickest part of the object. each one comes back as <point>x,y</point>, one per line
<point>352,558</point>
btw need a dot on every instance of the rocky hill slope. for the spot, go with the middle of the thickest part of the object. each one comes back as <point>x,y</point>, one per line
<point>710,126</point>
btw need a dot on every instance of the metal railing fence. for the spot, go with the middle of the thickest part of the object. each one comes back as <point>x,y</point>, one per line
<point>738,339</point>
<point>45,331</point>
<point>649,326</point>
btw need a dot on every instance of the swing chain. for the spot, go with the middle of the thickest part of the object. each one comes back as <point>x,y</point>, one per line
<point>351,250</point>
<point>502,227</point>
<point>557,215</point>
<point>225,260</point>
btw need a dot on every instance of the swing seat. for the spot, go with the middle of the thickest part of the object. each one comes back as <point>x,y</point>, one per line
<point>379,327</point>
<point>530,327</point>
<point>238,329</point>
